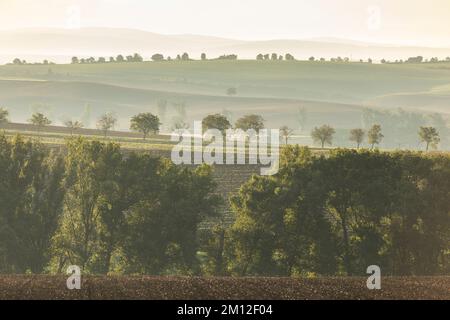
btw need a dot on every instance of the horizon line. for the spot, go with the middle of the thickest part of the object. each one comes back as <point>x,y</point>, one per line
<point>318,39</point>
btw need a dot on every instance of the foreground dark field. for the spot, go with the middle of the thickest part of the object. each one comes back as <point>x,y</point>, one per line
<point>179,288</point>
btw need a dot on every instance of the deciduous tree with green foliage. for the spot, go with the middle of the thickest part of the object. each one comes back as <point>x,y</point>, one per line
<point>73,125</point>
<point>39,120</point>
<point>302,118</point>
<point>357,136</point>
<point>330,215</point>
<point>323,135</point>
<point>157,57</point>
<point>4,114</point>
<point>216,121</point>
<point>231,92</point>
<point>251,121</point>
<point>31,195</point>
<point>430,136</point>
<point>106,123</point>
<point>145,123</point>
<point>92,180</point>
<point>374,135</point>
<point>286,133</point>
<point>163,227</point>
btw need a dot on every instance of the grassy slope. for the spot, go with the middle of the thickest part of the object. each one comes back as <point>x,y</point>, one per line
<point>333,92</point>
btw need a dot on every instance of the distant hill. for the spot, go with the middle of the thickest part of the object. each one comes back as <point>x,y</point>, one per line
<point>62,101</point>
<point>61,44</point>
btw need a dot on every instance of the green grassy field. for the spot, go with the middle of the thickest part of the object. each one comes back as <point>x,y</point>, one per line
<point>331,92</point>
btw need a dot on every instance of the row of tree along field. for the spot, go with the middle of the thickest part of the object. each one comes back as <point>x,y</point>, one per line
<point>94,206</point>
<point>148,123</point>
<point>136,57</point>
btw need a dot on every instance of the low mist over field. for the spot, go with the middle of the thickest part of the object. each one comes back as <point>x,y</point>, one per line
<point>59,45</point>
<point>300,94</point>
<point>232,149</point>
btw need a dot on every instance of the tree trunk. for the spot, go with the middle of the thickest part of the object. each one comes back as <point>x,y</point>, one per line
<point>219,257</point>
<point>347,262</point>
<point>108,258</point>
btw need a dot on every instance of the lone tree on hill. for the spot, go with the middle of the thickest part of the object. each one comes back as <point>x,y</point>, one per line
<point>231,92</point>
<point>145,123</point>
<point>251,121</point>
<point>286,133</point>
<point>430,136</point>
<point>357,136</point>
<point>73,126</point>
<point>39,120</point>
<point>157,57</point>
<point>374,135</point>
<point>4,114</point>
<point>185,57</point>
<point>216,121</point>
<point>324,135</point>
<point>106,123</point>
<point>302,118</point>
<point>289,57</point>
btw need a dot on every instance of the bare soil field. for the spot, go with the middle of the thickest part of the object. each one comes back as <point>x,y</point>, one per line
<point>41,287</point>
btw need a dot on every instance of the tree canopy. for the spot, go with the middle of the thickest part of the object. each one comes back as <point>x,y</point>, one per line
<point>251,121</point>
<point>430,136</point>
<point>145,123</point>
<point>357,136</point>
<point>323,135</point>
<point>39,120</point>
<point>4,114</point>
<point>374,135</point>
<point>216,121</point>
<point>106,123</point>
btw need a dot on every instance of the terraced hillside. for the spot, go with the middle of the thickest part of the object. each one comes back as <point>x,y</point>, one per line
<point>229,179</point>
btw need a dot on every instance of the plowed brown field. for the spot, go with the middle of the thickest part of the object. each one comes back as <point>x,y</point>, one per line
<point>180,288</point>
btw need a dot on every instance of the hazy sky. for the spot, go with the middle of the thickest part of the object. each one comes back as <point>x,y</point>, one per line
<point>421,22</point>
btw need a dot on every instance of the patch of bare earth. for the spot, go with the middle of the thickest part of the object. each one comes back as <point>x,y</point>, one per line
<point>198,288</point>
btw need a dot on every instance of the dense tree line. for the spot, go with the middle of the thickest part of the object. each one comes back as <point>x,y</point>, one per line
<point>338,214</point>
<point>186,57</point>
<point>19,62</point>
<point>95,207</point>
<point>119,59</point>
<point>221,123</point>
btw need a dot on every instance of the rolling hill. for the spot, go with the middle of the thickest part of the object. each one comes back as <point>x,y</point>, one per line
<point>331,93</point>
<point>60,45</point>
<point>68,100</point>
